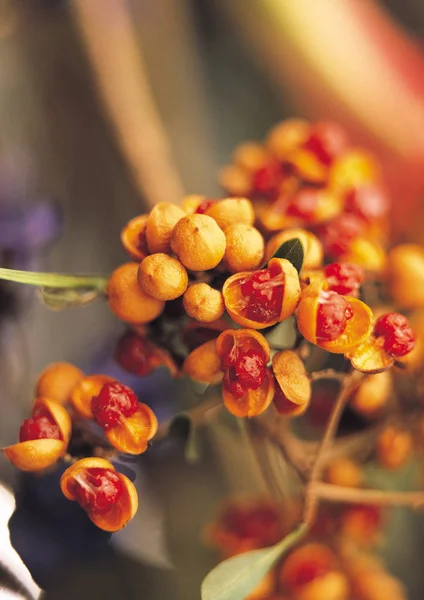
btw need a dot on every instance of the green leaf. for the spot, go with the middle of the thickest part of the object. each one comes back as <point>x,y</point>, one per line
<point>60,298</point>
<point>236,577</point>
<point>54,280</point>
<point>292,250</point>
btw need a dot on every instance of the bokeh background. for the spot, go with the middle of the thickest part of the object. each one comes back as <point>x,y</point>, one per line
<point>107,106</point>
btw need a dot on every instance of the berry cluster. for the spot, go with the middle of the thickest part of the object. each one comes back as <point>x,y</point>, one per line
<point>303,239</point>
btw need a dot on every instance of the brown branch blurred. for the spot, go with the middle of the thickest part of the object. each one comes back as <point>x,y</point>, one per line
<point>337,493</point>
<point>109,37</point>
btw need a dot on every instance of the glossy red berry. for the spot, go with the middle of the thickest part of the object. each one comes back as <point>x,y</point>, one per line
<point>327,141</point>
<point>344,278</point>
<point>264,294</point>
<point>303,204</point>
<point>337,235</point>
<point>333,312</point>
<point>266,180</point>
<point>97,489</point>
<point>399,338</point>
<point>132,353</point>
<point>40,426</point>
<point>115,401</point>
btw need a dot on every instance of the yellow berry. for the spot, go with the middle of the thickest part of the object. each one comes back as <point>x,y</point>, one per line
<point>345,472</point>
<point>373,394</point>
<point>203,303</point>
<point>198,242</point>
<point>162,277</point>
<point>126,298</point>
<point>251,156</point>
<point>245,248</point>
<point>406,275</point>
<point>58,381</point>
<point>235,180</point>
<point>159,226</point>
<point>312,247</point>
<point>394,447</point>
<point>230,211</point>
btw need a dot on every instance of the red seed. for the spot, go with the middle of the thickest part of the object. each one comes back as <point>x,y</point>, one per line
<point>98,490</point>
<point>250,369</point>
<point>399,338</point>
<point>337,235</point>
<point>40,426</point>
<point>367,201</point>
<point>264,295</point>
<point>204,206</point>
<point>333,312</point>
<point>327,141</point>
<point>307,571</point>
<point>132,354</point>
<point>266,180</point>
<point>344,278</point>
<point>115,401</point>
<point>232,383</point>
<point>303,204</point>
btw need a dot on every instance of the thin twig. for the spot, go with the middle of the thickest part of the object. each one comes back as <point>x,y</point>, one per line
<point>328,374</point>
<point>349,384</point>
<point>338,493</point>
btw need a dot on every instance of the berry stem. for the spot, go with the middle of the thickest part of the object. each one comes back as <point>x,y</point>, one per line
<point>338,493</point>
<point>54,280</point>
<point>350,383</point>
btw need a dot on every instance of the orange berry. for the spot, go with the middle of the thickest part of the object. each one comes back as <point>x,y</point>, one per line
<point>406,275</point>
<point>126,298</point>
<point>353,169</point>
<point>38,454</point>
<point>367,253</point>
<point>235,180</point>
<point>198,242</point>
<point>133,237</point>
<point>251,156</point>
<point>109,498</point>
<point>204,364</point>
<point>230,211</point>
<point>312,247</point>
<point>287,136</point>
<point>162,277</point>
<point>344,472</point>
<point>362,524</point>
<point>373,394</point>
<point>357,328</point>
<point>159,225</point>
<point>394,447</point>
<point>204,303</point>
<point>57,381</point>
<point>245,248</point>
<point>262,298</point>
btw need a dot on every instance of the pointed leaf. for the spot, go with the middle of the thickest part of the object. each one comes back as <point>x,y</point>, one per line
<point>236,577</point>
<point>291,250</point>
<point>54,280</point>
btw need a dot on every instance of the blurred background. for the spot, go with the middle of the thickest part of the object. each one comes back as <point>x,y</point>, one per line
<point>108,106</point>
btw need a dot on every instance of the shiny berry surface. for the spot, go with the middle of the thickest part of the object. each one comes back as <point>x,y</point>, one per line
<point>344,278</point>
<point>368,202</point>
<point>40,426</point>
<point>399,338</point>
<point>244,370</point>
<point>98,490</point>
<point>115,402</point>
<point>327,141</point>
<point>264,295</point>
<point>303,204</point>
<point>337,235</point>
<point>267,179</point>
<point>332,315</point>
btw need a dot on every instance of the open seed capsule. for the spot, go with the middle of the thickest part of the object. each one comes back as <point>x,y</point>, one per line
<point>109,498</point>
<point>334,322</point>
<point>293,390</point>
<point>262,298</point>
<point>248,384</point>
<point>85,391</point>
<point>133,237</point>
<point>43,438</point>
